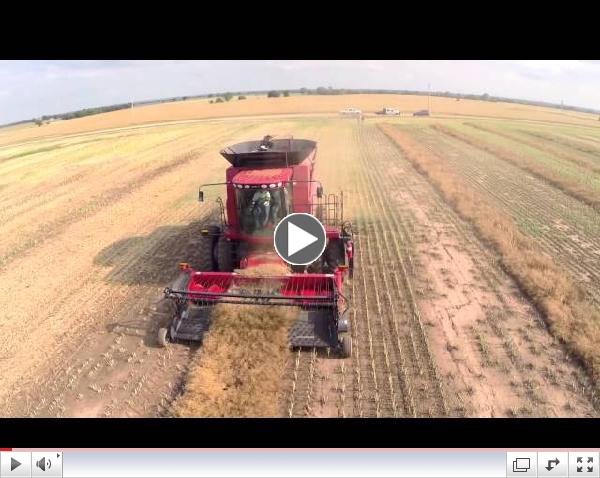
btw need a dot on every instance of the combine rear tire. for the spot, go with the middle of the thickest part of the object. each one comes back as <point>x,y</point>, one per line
<point>162,337</point>
<point>224,255</point>
<point>346,346</point>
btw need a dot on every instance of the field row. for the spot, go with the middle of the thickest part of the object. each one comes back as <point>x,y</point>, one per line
<point>438,328</point>
<point>566,228</point>
<point>537,275</point>
<point>91,278</point>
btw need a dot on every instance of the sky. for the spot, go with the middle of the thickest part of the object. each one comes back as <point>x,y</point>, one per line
<point>32,88</point>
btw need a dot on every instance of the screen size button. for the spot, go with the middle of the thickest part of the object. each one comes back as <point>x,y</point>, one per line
<point>521,464</point>
<point>584,464</point>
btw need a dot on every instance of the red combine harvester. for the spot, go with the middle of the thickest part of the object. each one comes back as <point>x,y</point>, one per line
<point>267,180</point>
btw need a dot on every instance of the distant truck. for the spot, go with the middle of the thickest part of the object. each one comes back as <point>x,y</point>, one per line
<point>351,111</point>
<point>421,113</point>
<point>389,112</point>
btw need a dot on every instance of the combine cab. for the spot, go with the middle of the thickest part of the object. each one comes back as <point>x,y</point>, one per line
<point>267,180</point>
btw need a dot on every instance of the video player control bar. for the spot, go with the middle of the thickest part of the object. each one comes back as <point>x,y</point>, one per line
<point>297,463</point>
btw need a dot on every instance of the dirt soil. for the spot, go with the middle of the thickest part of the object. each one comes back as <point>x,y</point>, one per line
<point>77,325</point>
<point>494,353</point>
<point>438,328</point>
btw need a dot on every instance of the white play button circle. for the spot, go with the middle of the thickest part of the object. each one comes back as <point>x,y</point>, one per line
<point>299,239</point>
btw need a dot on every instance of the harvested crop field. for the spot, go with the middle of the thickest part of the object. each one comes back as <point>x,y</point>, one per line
<point>445,321</point>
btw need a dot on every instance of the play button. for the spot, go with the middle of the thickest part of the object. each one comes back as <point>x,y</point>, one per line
<point>299,239</point>
<point>15,464</point>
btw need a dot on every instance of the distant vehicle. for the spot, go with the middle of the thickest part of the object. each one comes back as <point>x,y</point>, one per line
<point>389,112</point>
<point>421,113</point>
<point>350,111</point>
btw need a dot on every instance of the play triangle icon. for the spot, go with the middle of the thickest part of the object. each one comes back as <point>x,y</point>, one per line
<point>298,239</point>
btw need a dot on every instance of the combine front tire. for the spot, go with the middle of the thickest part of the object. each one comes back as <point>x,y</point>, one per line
<point>224,255</point>
<point>206,255</point>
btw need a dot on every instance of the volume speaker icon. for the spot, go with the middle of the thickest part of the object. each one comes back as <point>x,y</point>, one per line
<point>43,464</point>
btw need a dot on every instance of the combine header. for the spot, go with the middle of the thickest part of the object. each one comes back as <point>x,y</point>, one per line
<point>267,180</point>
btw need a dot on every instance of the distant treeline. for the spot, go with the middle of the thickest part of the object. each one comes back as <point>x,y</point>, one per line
<point>321,90</point>
<point>86,112</point>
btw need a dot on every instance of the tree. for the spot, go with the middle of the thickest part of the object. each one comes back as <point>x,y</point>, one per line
<point>241,97</point>
<point>273,94</point>
<point>227,96</point>
<point>219,100</point>
<point>38,122</point>
<point>485,97</point>
<point>286,93</point>
<point>303,91</point>
<point>211,102</point>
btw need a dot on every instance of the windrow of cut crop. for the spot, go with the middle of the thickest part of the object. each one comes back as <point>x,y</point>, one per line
<point>567,185</point>
<point>238,371</point>
<point>569,314</point>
